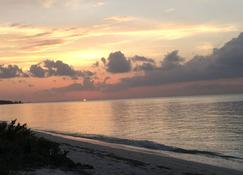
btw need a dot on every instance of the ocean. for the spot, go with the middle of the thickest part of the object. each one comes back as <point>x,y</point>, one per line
<point>206,129</point>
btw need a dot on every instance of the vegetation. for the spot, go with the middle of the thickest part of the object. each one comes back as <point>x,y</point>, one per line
<point>7,102</point>
<point>21,150</point>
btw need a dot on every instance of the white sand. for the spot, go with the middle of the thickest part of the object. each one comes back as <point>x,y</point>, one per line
<point>116,159</point>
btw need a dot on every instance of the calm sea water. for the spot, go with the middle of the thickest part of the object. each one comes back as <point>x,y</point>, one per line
<point>208,123</point>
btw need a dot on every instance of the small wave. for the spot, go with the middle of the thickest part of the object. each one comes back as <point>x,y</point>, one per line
<point>148,144</point>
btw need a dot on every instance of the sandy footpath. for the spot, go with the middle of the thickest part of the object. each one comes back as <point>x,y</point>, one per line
<point>116,159</point>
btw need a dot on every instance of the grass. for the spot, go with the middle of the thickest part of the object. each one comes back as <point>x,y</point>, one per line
<point>21,150</point>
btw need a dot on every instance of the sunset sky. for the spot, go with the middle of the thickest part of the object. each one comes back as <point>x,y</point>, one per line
<point>54,50</point>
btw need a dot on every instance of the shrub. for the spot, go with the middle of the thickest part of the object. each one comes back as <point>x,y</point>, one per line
<point>20,149</point>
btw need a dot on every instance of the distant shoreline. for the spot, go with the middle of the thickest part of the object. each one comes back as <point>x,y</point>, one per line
<point>9,102</point>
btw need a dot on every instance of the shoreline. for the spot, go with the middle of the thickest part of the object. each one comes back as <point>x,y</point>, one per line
<point>107,158</point>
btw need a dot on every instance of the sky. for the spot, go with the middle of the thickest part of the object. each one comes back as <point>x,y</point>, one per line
<point>60,50</point>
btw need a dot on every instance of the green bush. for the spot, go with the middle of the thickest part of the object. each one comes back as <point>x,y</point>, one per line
<point>20,149</point>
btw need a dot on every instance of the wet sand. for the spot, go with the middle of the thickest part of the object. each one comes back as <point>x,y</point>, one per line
<point>117,159</point>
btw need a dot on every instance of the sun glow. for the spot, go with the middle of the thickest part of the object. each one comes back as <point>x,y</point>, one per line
<point>82,45</point>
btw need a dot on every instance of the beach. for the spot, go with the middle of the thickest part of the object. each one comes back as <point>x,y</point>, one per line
<point>117,159</point>
<point>109,87</point>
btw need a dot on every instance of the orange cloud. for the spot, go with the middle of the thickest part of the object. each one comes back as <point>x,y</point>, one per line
<point>82,45</point>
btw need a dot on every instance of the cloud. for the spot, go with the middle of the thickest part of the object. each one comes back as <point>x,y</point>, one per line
<point>37,71</point>
<point>73,87</point>
<point>87,85</point>
<point>58,68</point>
<point>96,64</point>
<point>42,43</point>
<point>103,60</point>
<point>174,76</point>
<point>44,69</point>
<point>158,31</point>
<point>223,63</point>
<point>10,71</point>
<point>143,63</point>
<point>171,61</point>
<point>145,67</point>
<point>137,58</point>
<point>20,41</point>
<point>226,62</point>
<point>118,63</point>
<point>49,68</point>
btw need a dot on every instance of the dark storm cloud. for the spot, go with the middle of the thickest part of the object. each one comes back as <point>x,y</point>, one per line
<point>58,68</point>
<point>226,62</point>
<point>49,68</point>
<point>44,69</point>
<point>137,58</point>
<point>143,63</point>
<point>37,71</point>
<point>118,63</point>
<point>145,67</point>
<point>172,61</point>
<point>10,71</point>
<point>223,63</point>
